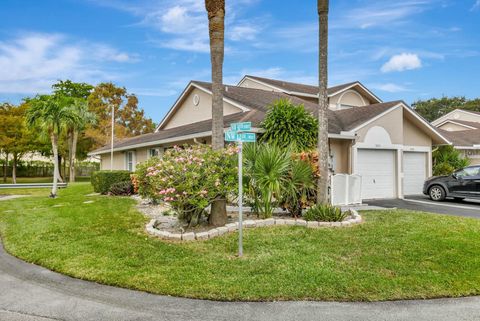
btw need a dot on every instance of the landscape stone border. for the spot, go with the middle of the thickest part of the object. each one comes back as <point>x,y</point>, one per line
<point>353,219</point>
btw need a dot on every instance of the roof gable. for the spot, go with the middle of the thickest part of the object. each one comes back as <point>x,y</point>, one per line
<point>451,115</point>
<point>310,91</point>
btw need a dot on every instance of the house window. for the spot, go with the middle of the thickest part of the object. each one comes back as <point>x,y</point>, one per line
<point>155,152</point>
<point>129,161</point>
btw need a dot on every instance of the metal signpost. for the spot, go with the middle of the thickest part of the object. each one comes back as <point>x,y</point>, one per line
<point>239,133</point>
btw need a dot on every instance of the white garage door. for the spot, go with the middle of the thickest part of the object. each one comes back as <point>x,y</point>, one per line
<point>415,172</point>
<point>377,168</point>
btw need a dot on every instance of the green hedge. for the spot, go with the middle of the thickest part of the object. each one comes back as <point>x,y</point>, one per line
<point>103,180</point>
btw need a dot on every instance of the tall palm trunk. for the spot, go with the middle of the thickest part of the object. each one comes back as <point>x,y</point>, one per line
<point>73,156</point>
<point>216,28</point>
<point>54,138</point>
<point>323,150</point>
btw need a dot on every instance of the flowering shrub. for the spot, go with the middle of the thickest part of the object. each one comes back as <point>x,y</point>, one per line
<point>189,179</point>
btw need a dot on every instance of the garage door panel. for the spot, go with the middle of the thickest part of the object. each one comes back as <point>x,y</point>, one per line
<point>377,168</point>
<point>414,172</point>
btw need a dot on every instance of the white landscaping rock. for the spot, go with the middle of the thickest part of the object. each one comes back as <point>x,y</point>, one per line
<point>290,222</point>
<point>249,223</point>
<point>232,227</point>
<point>162,234</point>
<point>176,237</point>
<point>269,221</point>
<point>201,236</point>
<point>212,233</point>
<point>188,236</point>
<point>324,224</point>
<point>301,222</point>
<point>222,230</point>
<point>260,223</point>
<point>313,224</point>
<point>280,221</point>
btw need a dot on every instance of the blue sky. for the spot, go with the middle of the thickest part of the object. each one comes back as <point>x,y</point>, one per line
<point>405,49</point>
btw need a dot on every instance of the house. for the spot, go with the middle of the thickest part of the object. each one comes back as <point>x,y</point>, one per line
<point>387,143</point>
<point>462,129</point>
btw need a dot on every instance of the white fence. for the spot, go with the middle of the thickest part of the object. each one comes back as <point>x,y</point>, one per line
<point>346,189</point>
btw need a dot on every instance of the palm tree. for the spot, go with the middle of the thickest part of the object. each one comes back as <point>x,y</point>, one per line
<point>82,120</point>
<point>216,28</point>
<point>323,149</point>
<point>51,114</point>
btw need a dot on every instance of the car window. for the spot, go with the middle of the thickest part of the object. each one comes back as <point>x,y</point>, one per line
<point>469,172</point>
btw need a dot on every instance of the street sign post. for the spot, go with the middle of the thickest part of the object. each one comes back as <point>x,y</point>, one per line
<point>239,133</point>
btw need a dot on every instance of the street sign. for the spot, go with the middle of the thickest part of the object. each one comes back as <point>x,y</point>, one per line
<point>239,133</point>
<point>231,136</point>
<point>237,127</point>
<point>248,137</point>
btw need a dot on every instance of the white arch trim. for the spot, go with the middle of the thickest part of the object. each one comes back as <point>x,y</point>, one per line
<point>354,92</point>
<point>378,135</point>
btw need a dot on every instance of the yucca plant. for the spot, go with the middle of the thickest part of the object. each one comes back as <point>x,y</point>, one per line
<point>447,159</point>
<point>325,213</point>
<point>267,169</point>
<point>300,188</point>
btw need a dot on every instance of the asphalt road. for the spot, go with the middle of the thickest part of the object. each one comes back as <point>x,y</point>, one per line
<point>466,208</point>
<point>31,293</point>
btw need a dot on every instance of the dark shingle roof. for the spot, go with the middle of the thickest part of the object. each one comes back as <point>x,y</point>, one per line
<point>463,137</point>
<point>464,122</point>
<point>257,101</point>
<point>300,88</point>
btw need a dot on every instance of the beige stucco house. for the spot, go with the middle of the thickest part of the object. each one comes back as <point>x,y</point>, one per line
<point>462,128</point>
<point>387,143</point>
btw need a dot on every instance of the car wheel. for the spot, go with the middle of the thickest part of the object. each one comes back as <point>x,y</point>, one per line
<point>437,193</point>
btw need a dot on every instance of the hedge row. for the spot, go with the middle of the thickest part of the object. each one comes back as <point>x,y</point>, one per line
<point>102,181</point>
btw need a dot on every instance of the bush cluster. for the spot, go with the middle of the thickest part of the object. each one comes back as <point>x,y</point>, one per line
<point>102,181</point>
<point>276,176</point>
<point>189,178</point>
<point>325,213</point>
<point>122,189</point>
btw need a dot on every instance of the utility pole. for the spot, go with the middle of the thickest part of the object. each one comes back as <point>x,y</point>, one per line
<point>111,145</point>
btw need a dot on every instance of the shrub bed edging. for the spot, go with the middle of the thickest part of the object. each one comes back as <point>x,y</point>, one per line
<point>353,219</point>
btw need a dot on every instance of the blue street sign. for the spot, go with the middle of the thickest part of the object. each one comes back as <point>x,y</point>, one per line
<point>231,136</point>
<point>248,137</point>
<point>236,127</point>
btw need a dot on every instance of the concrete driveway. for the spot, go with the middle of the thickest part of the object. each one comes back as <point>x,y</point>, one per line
<point>32,293</point>
<point>466,208</point>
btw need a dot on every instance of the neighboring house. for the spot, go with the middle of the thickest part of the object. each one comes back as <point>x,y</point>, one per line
<point>387,143</point>
<point>462,129</point>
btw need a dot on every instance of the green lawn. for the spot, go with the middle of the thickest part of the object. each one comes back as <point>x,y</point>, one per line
<point>394,255</point>
<point>31,191</point>
<point>39,179</point>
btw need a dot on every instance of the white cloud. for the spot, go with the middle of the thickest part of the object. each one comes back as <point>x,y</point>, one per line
<point>243,32</point>
<point>389,87</point>
<point>382,13</point>
<point>402,62</point>
<point>184,23</point>
<point>31,63</point>
<point>476,5</point>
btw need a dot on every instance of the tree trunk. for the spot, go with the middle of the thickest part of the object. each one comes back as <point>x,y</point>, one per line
<point>323,150</point>
<point>73,156</point>
<point>54,139</point>
<point>59,166</point>
<point>14,169</point>
<point>216,28</point>
<point>70,143</point>
<point>5,168</point>
<point>218,213</point>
